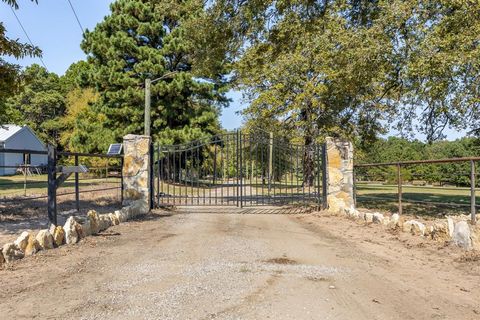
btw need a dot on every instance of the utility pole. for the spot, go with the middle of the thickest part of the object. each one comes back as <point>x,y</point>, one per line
<point>148,97</point>
<point>148,84</point>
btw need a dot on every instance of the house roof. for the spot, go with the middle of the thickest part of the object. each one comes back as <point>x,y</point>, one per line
<point>8,130</point>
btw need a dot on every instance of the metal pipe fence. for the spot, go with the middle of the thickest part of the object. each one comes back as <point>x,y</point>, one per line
<point>432,184</point>
<point>40,181</point>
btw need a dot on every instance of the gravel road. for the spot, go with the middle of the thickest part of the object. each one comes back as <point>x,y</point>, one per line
<point>215,264</point>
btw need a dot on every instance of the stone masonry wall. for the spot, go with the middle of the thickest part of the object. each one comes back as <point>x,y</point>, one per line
<point>136,175</point>
<point>340,195</point>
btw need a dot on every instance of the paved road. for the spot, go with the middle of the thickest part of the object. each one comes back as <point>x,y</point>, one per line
<point>217,265</point>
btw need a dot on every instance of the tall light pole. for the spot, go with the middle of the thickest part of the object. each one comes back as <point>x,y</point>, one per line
<point>148,95</point>
<point>148,98</point>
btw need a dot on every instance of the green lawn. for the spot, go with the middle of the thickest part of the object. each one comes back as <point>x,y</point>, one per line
<point>416,199</point>
<point>11,186</point>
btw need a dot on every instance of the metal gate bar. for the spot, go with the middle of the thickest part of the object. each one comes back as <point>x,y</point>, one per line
<point>238,169</point>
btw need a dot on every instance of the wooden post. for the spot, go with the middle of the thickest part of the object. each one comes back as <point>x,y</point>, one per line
<point>52,185</point>
<point>399,179</point>
<point>472,193</point>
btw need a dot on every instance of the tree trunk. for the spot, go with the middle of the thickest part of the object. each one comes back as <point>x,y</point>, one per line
<point>309,149</point>
<point>308,162</point>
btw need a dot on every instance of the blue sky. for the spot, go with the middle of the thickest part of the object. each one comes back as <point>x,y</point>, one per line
<point>51,25</point>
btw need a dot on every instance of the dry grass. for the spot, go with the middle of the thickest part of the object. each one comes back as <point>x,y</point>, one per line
<point>282,260</point>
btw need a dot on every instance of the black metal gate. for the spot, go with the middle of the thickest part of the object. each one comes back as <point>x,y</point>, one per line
<point>237,169</point>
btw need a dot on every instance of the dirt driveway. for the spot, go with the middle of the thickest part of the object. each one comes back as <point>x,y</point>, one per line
<point>218,265</point>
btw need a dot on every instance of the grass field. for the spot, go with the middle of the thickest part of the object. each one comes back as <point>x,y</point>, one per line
<point>423,200</point>
<point>13,186</point>
<point>23,207</point>
<point>416,199</point>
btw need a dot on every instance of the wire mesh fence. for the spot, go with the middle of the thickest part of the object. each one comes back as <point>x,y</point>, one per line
<point>25,176</point>
<point>426,187</point>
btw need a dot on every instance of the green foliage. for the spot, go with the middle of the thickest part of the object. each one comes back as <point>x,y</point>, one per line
<point>14,3</point>
<point>394,150</point>
<point>354,68</point>
<point>40,104</point>
<point>82,129</point>
<point>147,39</point>
<point>77,76</point>
<point>10,73</point>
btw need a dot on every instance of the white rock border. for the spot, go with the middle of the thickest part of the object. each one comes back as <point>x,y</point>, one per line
<point>75,229</point>
<point>454,229</point>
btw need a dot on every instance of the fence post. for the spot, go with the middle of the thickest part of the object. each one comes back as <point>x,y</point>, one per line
<point>270,162</point>
<point>399,181</point>
<point>121,181</point>
<point>52,184</point>
<point>318,151</point>
<point>472,192</point>
<point>77,188</point>
<point>241,169</point>
<point>152,176</point>
<point>160,174</point>
<point>237,156</point>
<point>354,186</point>
<point>24,174</point>
<point>324,177</point>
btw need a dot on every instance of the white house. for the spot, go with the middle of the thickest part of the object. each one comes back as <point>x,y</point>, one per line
<point>19,138</point>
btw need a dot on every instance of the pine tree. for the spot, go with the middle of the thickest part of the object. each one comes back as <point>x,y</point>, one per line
<point>147,39</point>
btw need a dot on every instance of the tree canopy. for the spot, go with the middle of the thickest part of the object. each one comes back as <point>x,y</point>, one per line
<point>40,104</point>
<point>309,69</point>
<point>9,72</point>
<point>148,39</point>
<point>355,68</point>
<point>394,149</point>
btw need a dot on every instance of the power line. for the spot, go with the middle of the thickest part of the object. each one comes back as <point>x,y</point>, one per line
<point>26,34</point>
<point>76,16</point>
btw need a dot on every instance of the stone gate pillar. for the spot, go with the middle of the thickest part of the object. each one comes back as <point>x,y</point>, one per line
<point>340,182</point>
<point>136,173</point>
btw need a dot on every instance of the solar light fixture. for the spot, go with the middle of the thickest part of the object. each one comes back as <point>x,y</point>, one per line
<point>115,149</point>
